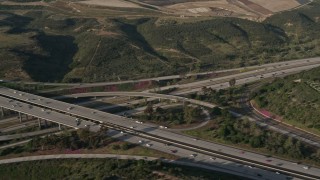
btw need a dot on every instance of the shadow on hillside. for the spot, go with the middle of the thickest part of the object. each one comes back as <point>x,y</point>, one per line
<point>17,23</point>
<point>133,34</point>
<point>53,63</point>
<point>47,61</point>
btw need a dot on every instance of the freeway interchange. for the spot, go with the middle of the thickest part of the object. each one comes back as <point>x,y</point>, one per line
<point>255,166</point>
<point>60,112</point>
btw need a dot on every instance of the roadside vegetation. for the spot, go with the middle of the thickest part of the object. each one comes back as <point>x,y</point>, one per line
<point>246,134</point>
<point>105,169</point>
<point>171,116</point>
<point>293,99</point>
<point>222,97</point>
<point>60,47</point>
<point>80,142</point>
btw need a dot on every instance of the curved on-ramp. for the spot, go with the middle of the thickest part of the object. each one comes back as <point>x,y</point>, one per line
<point>139,94</point>
<point>115,156</point>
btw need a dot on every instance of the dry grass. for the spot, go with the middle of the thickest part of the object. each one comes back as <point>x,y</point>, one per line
<point>191,8</point>
<point>41,3</point>
<point>111,3</point>
<point>12,40</point>
<point>249,9</point>
<point>277,5</point>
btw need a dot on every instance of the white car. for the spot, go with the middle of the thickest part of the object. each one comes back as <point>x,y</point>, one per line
<point>121,132</point>
<point>148,145</point>
<point>277,173</point>
<point>140,141</point>
<point>305,167</point>
<point>42,110</point>
<point>193,155</point>
<point>212,158</point>
<point>132,127</point>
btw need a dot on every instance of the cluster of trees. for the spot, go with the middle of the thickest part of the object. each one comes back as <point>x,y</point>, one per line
<point>19,7</point>
<point>151,47</point>
<point>124,146</point>
<point>294,101</point>
<point>73,140</point>
<point>223,97</point>
<point>247,132</point>
<point>178,115</point>
<point>105,169</point>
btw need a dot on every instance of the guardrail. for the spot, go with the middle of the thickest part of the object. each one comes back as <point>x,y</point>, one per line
<point>198,149</point>
<point>258,111</point>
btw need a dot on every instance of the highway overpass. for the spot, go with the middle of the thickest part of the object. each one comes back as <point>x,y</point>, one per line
<point>242,78</point>
<point>45,114</point>
<point>154,133</point>
<point>140,94</point>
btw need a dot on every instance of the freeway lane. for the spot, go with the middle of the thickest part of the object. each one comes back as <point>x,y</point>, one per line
<point>28,134</point>
<point>45,114</point>
<point>300,134</point>
<point>115,120</point>
<point>221,83</point>
<point>217,164</point>
<point>270,65</point>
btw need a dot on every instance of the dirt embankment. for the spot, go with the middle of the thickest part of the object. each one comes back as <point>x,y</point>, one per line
<point>111,3</point>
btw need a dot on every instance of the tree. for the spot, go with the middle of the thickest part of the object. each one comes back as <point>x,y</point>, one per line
<point>205,90</point>
<point>159,110</point>
<point>43,142</point>
<point>216,111</point>
<point>190,113</point>
<point>256,141</point>
<point>232,82</point>
<point>115,147</point>
<point>83,134</point>
<point>223,131</point>
<point>289,144</point>
<point>125,146</point>
<point>317,154</point>
<point>149,109</point>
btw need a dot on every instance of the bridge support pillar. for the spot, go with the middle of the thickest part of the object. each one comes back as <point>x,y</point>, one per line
<point>27,117</point>
<point>159,99</point>
<point>20,117</point>
<point>2,112</point>
<point>60,127</point>
<point>45,123</point>
<point>39,123</point>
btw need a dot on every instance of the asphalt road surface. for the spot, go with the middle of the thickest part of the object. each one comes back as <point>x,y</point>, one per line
<point>115,120</point>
